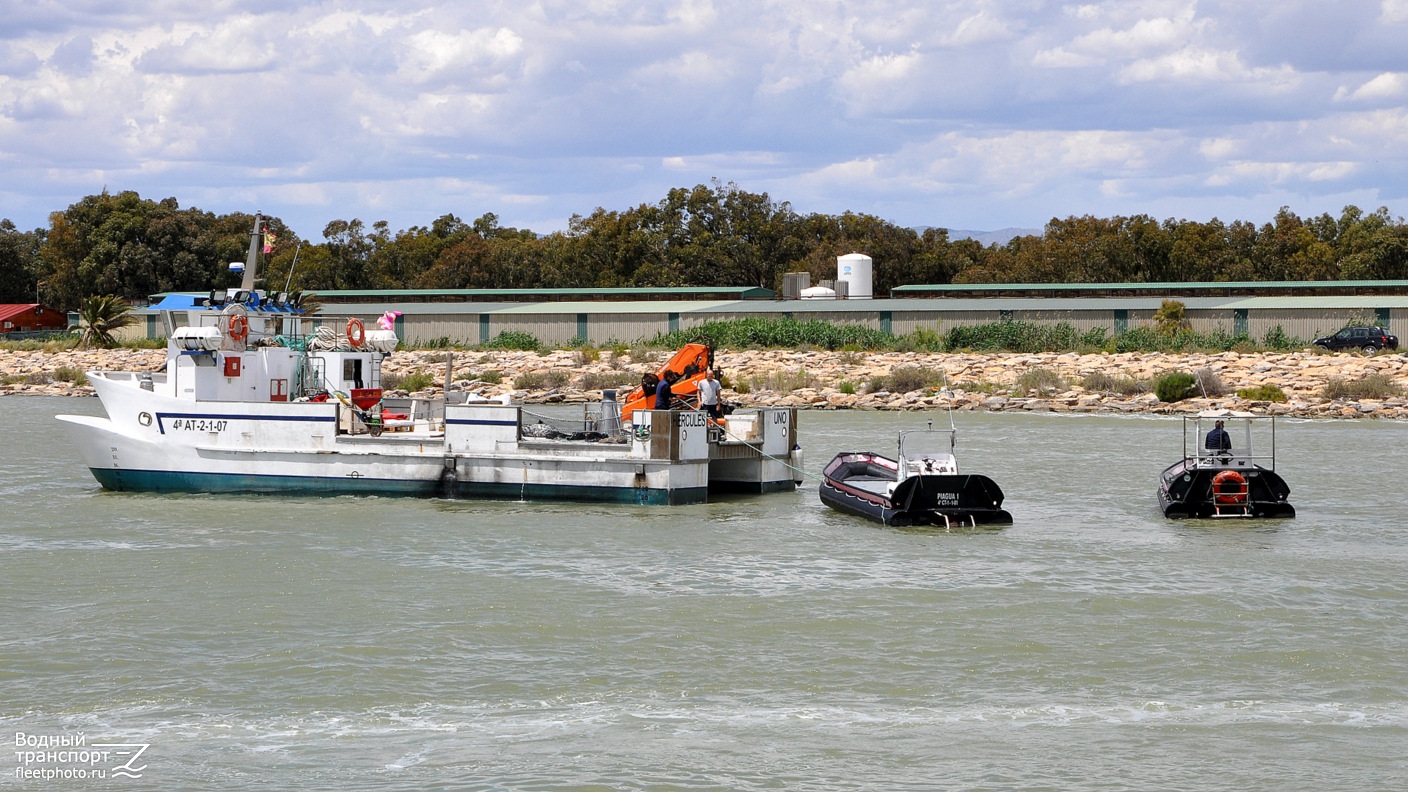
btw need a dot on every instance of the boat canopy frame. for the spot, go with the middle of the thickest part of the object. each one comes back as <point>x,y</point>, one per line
<point>1239,425</point>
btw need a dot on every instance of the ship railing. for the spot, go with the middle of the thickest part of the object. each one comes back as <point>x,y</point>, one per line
<point>594,422</point>
<point>415,409</point>
<point>1232,458</point>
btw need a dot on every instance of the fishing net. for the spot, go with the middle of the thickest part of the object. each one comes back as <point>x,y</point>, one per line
<point>589,427</point>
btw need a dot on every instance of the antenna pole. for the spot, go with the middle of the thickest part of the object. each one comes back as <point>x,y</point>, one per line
<point>296,251</point>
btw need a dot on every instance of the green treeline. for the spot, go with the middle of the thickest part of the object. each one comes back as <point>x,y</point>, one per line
<point>708,235</point>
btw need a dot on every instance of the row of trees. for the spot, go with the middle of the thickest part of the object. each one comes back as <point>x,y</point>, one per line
<point>708,235</point>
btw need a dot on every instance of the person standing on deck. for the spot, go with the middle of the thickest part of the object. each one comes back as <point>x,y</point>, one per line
<point>664,394</point>
<point>709,390</point>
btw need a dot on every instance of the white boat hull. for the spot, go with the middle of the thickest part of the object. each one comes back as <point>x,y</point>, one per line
<point>395,466</point>
<point>159,443</point>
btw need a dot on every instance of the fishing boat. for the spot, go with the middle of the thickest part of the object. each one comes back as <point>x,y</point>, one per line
<point>1223,475</point>
<point>921,487</point>
<point>258,396</point>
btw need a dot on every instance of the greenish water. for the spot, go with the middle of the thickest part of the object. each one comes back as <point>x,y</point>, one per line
<point>749,644</point>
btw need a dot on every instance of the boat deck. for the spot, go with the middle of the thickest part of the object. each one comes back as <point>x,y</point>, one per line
<point>872,484</point>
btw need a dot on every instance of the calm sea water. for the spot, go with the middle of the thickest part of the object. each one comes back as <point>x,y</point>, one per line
<point>750,644</point>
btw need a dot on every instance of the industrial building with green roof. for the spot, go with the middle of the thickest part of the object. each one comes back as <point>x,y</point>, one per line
<point>1300,309</point>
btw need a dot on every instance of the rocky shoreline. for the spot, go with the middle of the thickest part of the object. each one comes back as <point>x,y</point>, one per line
<point>837,380</point>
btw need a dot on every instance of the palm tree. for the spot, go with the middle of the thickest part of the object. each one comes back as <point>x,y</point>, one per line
<point>310,303</point>
<point>100,316</point>
<point>1171,318</point>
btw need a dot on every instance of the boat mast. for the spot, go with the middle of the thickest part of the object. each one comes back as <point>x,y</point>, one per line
<point>251,261</point>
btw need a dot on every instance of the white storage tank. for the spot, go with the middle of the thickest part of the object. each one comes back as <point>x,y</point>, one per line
<point>855,270</point>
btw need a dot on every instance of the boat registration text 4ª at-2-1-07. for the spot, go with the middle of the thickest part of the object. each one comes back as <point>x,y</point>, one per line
<point>198,425</point>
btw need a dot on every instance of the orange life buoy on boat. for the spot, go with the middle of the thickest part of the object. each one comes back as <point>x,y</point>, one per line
<point>1229,487</point>
<point>356,333</point>
<point>239,327</point>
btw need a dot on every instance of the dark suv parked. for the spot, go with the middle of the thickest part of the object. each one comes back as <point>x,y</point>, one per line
<point>1368,339</point>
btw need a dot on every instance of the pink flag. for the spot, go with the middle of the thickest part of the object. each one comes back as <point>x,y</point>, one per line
<point>268,241</point>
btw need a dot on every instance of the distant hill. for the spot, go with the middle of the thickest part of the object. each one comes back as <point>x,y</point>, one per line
<point>999,237</point>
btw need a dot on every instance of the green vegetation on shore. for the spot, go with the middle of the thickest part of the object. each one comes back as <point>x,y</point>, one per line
<point>709,235</point>
<point>854,339</point>
<point>1370,386</point>
<point>1009,336</point>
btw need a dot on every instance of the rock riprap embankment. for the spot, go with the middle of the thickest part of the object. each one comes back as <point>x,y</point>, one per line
<point>840,380</point>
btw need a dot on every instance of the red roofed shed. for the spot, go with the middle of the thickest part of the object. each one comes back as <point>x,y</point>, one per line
<point>30,318</point>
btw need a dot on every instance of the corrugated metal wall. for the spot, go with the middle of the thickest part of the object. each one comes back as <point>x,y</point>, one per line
<point>627,328</point>
<point>947,319</point>
<point>419,329</point>
<point>1307,325</point>
<point>552,330</point>
<point>601,328</point>
<point>1203,321</point>
<point>869,319</point>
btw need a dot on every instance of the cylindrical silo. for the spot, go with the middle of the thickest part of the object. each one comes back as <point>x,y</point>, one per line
<point>855,269</point>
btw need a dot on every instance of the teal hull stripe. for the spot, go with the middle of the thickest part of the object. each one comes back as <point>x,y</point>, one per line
<point>171,481</point>
<point>168,481</point>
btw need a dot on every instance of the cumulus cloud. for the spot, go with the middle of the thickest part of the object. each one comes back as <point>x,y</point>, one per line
<point>16,60</point>
<point>970,114</point>
<point>878,83</point>
<point>1278,173</point>
<point>237,45</point>
<point>977,29</point>
<point>1389,86</point>
<point>475,56</point>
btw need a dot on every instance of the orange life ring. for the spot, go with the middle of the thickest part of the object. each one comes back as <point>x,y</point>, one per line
<point>356,333</point>
<point>239,327</point>
<point>1229,487</point>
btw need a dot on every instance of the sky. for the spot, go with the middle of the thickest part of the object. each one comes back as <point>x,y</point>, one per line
<point>977,114</point>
